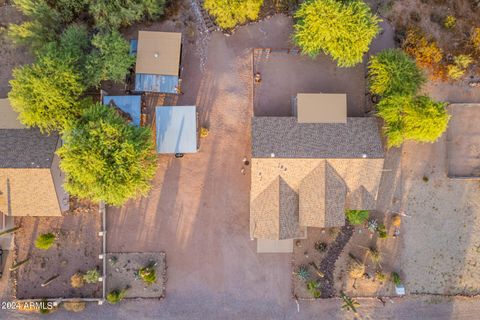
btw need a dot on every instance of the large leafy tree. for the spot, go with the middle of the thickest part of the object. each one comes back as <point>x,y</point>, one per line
<point>341,29</point>
<point>392,72</point>
<point>46,94</point>
<point>104,158</point>
<point>109,59</point>
<point>229,13</point>
<point>113,14</point>
<point>412,118</point>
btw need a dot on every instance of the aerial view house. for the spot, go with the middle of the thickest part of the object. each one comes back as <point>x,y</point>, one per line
<point>307,170</point>
<point>30,178</point>
<point>176,129</point>
<point>157,67</point>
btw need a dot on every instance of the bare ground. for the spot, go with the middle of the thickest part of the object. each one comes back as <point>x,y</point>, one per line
<point>76,249</point>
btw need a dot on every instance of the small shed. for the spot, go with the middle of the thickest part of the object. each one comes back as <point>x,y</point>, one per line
<point>158,61</point>
<point>176,129</point>
<point>321,108</point>
<point>129,104</point>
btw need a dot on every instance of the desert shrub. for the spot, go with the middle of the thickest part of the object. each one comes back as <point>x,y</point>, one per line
<point>396,220</point>
<point>412,118</point>
<point>320,246</point>
<point>382,231</point>
<point>349,304</point>
<point>105,159</point>
<point>44,309</point>
<point>341,29</point>
<point>356,269</point>
<point>203,132</point>
<point>312,287</point>
<point>115,296</point>
<point>229,13</point>
<point>450,22</point>
<point>45,241</point>
<point>77,281</point>
<point>110,58</point>
<point>91,276</point>
<point>356,217</point>
<point>74,306</point>
<point>426,53</point>
<point>396,279</point>
<point>113,14</point>
<point>302,272</point>
<point>46,93</point>
<point>475,39</point>
<point>380,276</point>
<point>459,66</point>
<point>375,255</point>
<point>393,72</point>
<point>148,274</point>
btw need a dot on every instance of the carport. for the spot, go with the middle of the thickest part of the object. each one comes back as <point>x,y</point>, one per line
<point>176,129</point>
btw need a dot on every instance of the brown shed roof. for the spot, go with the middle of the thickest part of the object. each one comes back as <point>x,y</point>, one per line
<point>158,53</point>
<point>322,108</point>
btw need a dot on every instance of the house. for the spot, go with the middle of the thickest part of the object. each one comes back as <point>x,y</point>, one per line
<point>157,66</point>
<point>176,129</point>
<point>307,170</point>
<point>30,177</point>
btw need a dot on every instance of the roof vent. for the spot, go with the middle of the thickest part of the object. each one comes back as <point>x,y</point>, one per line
<point>272,155</point>
<point>364,155</point>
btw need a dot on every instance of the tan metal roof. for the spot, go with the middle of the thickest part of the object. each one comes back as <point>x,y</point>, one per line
<point>8,117</point>
<point>158,53</point>
<point>321,107</point>
<point>28,192</point>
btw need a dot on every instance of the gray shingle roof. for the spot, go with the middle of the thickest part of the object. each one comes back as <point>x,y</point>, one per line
<point>286,138</point>
<point>26,148</point>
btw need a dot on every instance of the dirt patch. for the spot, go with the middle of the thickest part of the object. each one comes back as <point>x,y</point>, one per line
<point>76,248</point>
<point>463,141</point>
<point>284,73</point>
<point>122,272</point>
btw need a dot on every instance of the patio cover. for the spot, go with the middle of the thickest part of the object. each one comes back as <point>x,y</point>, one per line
<point>158,53</point>
<point>129,104</point>
<point>321,108</point>
<point>176,129</point>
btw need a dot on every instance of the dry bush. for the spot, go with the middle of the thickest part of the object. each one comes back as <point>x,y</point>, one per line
<point>475,39</point>
<point>74,306</point>
<point>356,270</point>
<point>76,281</point>
<point>426,52</point>
<point>396,220</point>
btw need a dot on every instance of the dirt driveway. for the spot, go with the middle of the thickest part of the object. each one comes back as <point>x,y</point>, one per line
<point>198,210</point>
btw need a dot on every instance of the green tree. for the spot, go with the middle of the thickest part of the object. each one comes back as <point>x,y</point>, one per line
<point>46,93</point>
<point>412,118</point>
<point>229,13</point>
<point>46,20</point>
<point>45,241</point>
<point>393,72</point>
<point>355,217</point>
<point>106,159</point>
<point>341,29</point>
<point>113,14</point>
<point>110,58</point>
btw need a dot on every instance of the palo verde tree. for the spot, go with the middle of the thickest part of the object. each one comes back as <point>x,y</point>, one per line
<point>393,72</point>
<point>109,59</point>
<point>229,13</point>
<point>106,159</point>
<point>412,118</point>
<point>341,29</point>
<point>113,14</point>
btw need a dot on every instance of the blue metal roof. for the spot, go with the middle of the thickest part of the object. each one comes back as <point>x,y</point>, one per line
<point>176,129</point>
<point>133,47</point>
<point>156,83</point>
<point>129,104</point>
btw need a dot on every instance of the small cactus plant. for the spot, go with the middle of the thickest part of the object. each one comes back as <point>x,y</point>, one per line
<point>320,246</point>
<point>302,272</point>
<point>372,225</point>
